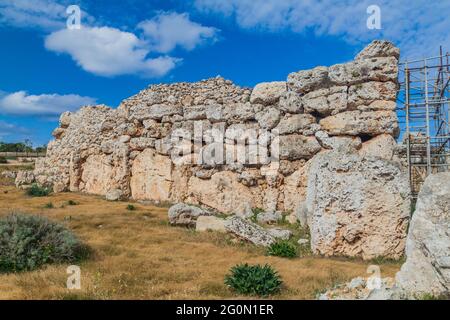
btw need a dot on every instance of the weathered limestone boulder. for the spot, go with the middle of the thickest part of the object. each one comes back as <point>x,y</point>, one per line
<point>9,174</point>
<point>308,80</point>
<point>24,178</point>
<point>355,123</point>
<point>297,123</point>
<point>326,101</point>
<point>223,192</point>
<point>151,176</point>
<point>279,233</point>
<point>269,217</point>
<point>338,142</point>
<point>114,195</point>
<point>357,206</point>
<point>382,146</point>
<point>268,93</point>
<point>249,231</point>
<point>182,214</point>
<point>210,223</point>
<point>427,267</point>
<point>379,48</point>
<point>295,146</point>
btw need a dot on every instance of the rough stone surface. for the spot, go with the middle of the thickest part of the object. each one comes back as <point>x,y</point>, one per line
<point>249,231</point>
<point>24,178</point>
<point>114,195</point>
<point>357,206</point>
<point>268,93</point>
<point>210,223</point>
<point>281,234</point>
<point>269,217</point>
<point>427,266</point>
<point>186,215</point>
<point>160,144</point>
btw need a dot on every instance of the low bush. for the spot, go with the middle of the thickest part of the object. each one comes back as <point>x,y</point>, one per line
<point>254,280</point>
<point>3,160</point>
<point>72,203</point>
<point>131,207</point>
<point>283,249</point>
<point>37,191</point>
<point>28,242</point>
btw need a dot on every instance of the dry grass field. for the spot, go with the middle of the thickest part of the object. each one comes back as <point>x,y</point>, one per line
<point>137,255</point>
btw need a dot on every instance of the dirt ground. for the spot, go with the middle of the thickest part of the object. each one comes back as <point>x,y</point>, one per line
<point>138,255</point>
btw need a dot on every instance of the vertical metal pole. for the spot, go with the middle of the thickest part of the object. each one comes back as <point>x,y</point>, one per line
<point>427,119</point>
<point>408,136</point>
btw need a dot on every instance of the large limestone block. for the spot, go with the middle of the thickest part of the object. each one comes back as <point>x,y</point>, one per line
<point>296,123</point>
<point>210,223</point>
<point>379,48</point>
<point>223,192</point>
<point>382,146</point>
<point>249,231</point>
<point>305,81</point>
<point>182,214</point>
<point>326,101</point>
<point>359,71</point>
<point>151,176</point>
<point>357,206</point>
<point>97,174</point>
<point>295,146</point>
<point>268,93</point>
<point>368,92</point>
<point>356,123</point>
<point>427,267</point>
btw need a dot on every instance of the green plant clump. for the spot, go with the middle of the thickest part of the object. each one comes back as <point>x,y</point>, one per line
<point>3,160</point>
<point>131,207</point>
<point>72,203</point>
<point>254,280</point>
<point>283,249</point>
<point>37,191</point>
<point>28,242</point>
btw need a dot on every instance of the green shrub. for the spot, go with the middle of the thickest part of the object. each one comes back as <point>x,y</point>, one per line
<point>28,242</point>
<point>131,207</point>
<point>254,280</point>
<point>37,191</point>
<point>49,205</point>
<point>283,249</point>
<point>3,160</point>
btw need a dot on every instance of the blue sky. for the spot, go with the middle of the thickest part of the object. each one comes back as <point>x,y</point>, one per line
<point>124,46</point>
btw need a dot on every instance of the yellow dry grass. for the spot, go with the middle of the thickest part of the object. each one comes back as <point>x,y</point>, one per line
<point>137,255</point>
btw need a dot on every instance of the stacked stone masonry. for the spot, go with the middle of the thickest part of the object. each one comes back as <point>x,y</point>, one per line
<point>318,116</point>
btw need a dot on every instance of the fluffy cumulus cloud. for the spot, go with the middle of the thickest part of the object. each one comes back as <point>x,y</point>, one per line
<point>108,51</point>
<point>21,103</point>
<point>168,30</point>
<point>416,26</point>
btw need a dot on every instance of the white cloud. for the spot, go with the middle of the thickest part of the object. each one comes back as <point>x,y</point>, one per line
<point>416,26</point>
<point>20,103</point>
<point>109,52</point>
<point>168,30</point>
<point>43,14</point>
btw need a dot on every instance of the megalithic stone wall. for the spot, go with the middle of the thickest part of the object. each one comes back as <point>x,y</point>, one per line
<point>134,151</point>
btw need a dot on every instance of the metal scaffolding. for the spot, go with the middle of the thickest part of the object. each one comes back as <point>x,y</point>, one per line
<point>424,116</point>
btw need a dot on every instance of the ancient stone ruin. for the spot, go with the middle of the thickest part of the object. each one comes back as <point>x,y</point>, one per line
<point>320,146</point>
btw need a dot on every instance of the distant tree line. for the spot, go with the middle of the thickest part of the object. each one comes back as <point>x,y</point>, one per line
<point>25,146</point>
